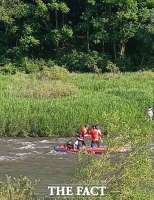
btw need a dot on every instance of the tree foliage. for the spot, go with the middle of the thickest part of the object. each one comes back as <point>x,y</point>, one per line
<point>51,29</point>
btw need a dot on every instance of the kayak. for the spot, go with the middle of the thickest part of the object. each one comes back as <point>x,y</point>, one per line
<point>65,148</point>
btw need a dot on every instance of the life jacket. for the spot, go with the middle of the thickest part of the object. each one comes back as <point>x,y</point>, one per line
<point>95,134</point>
<point>83,131</point>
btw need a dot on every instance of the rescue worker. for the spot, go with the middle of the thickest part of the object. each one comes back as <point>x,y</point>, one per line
<point>98,128</point>
<point>84,130</point>
<point>95,136</point>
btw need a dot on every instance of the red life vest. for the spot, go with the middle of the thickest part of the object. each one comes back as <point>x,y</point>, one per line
<point>95,134</point>
<point>83,131</point>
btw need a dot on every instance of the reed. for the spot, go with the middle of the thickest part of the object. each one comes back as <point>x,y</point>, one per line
<point>58,108</point>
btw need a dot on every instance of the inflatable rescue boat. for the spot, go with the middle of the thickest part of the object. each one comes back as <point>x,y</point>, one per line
<point>66,148</point>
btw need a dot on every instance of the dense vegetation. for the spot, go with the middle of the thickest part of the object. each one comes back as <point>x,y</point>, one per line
<point>87,35</point>
<point>54,102</point>
<point>42,99</point>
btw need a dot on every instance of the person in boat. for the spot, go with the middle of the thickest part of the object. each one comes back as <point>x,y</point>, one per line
<point>150,113</point>
<point>84,130</point>
<point>79,143</point>
<point>95,136</point>
<point>98,128</point>
<point>70,145</point>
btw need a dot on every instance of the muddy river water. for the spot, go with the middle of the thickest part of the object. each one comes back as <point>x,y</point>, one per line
<point>36,159</point>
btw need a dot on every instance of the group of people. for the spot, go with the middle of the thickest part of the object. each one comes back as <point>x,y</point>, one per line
<point>95,133</point>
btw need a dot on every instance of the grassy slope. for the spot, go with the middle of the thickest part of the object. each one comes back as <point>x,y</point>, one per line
<point>116,102</point>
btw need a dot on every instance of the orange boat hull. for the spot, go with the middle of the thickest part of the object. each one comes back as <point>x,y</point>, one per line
<point>64,148</point>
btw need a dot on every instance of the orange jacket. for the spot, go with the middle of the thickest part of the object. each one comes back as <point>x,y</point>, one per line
<point>83,131</point>
<point>95,134</point>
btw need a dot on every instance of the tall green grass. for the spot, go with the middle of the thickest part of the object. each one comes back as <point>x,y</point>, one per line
<point>117,102</point>
<point>30,106</point>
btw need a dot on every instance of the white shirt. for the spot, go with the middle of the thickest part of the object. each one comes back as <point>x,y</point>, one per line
<point>150,111</point>
<point>76,142</point>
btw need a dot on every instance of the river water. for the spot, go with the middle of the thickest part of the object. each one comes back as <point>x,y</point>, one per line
<point>35,158</point>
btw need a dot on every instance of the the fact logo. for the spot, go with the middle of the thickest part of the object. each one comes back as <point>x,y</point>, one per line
<point>76,190</point>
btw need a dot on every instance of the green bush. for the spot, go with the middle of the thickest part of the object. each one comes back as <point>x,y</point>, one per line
<point>13,189</point>
<point>125,64</point>
<point>84,62</point>
<point>29,66</point>
<point>53,73</point>
<point>8,69</point>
